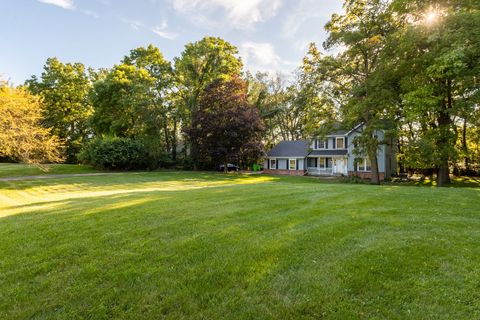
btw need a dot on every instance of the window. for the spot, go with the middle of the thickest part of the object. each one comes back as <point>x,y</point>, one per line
<point>323,163</point>
<point>321,144</point>
<point>273,163</point>
<point>368,164</point>
<point>292,164</point>
<point>340,143</point>
<point>364,164</point>
<point>361,164</point>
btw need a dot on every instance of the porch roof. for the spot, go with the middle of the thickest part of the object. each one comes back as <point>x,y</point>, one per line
<point>339,152</point>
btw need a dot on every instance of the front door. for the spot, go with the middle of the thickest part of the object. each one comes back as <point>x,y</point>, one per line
<point>339,166</point>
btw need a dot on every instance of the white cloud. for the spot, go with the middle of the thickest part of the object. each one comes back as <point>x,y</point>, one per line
<point>262,57</point>
<point>161,31</point>
<point>65,4</point>
<point>134,24</point>
<point>241,14</point>
<point>309,9</point>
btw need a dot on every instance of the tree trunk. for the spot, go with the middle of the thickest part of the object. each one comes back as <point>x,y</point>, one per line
<point>193,155</point>
<point>465,146</point>
<point>444,124</point>
<point>167,138</point>
<point>401,168</point>
<point>443,176</point>
<point>374,164</point>
<point>174,140</point>
<point>225,166</point>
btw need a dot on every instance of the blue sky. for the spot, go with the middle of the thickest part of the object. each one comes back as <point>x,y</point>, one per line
<point>272,35</point>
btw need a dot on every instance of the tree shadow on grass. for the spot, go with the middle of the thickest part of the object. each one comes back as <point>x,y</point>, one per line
<point>134,179</point>
<point>223,251</point>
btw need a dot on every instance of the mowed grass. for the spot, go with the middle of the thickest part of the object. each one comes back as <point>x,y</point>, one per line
<point>18,170</point>
<point>172,245</point>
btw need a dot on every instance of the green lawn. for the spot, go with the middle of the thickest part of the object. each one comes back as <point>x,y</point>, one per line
<point>171,245</point>
<point>17,170</point>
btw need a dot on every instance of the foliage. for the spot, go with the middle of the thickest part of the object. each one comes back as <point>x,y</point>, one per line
<point>64,90</point>
<point>114,153</point>
<point>438,61</point>
<point>226,127</point>
<point>122,102</point>
<point>22,136</point>
<point>135,100</point>
<point>360,70</point>
<point>200,64</point>
<point>161,120</point>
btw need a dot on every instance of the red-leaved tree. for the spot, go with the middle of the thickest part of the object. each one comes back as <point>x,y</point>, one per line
<point>226,126</point>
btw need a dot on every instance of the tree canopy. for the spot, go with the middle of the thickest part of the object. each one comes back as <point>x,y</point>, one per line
<point>408,68</point>
<point>64,88</point>
<point>22,137</point>
<point>226,126</point>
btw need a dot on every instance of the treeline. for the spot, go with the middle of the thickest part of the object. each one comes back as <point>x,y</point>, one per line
<point>408,67</point>
<point>411,68</point>
<point>147,112</point>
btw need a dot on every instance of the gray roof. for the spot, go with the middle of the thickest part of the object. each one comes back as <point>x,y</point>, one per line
<point>298,148</point>
<point>339,152</point>
<point>337,129</point>
<point>337,133</point>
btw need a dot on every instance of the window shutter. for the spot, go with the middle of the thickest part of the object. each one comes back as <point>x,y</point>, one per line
<point>334,142</point>
<point>316,144</point>
<point>346,143</point>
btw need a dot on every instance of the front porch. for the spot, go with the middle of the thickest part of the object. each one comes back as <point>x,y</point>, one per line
<point>327,166</point>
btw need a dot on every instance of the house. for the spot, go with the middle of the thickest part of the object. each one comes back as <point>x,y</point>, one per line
<point>333,155</point>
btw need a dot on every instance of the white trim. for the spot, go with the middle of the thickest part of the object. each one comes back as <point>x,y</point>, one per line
<point>354,128</point>
<point>286,157</point>
<point>270,164</point>
<point>325,144</point>
<point>364,160</point>
<point>336,144</point>
<point>289,168</point>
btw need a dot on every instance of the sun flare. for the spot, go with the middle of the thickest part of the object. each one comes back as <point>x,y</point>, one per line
<point>432,16</point>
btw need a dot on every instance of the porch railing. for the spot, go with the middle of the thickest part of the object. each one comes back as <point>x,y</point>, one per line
<point>320,171</point>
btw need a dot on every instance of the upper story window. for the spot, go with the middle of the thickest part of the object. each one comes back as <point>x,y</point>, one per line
<point>340,142</point>
<point>321,144</point>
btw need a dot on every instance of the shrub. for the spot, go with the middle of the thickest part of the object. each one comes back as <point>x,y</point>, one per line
<point>115,153</point>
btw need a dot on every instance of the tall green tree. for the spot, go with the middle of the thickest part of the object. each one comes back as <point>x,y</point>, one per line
<point>64,88</point>
<point>287,109</point>
<point>437,53</point>
<point>199,65</point>
<point>163,120</point>
<point>360,35</point>
<point>123,102</point>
